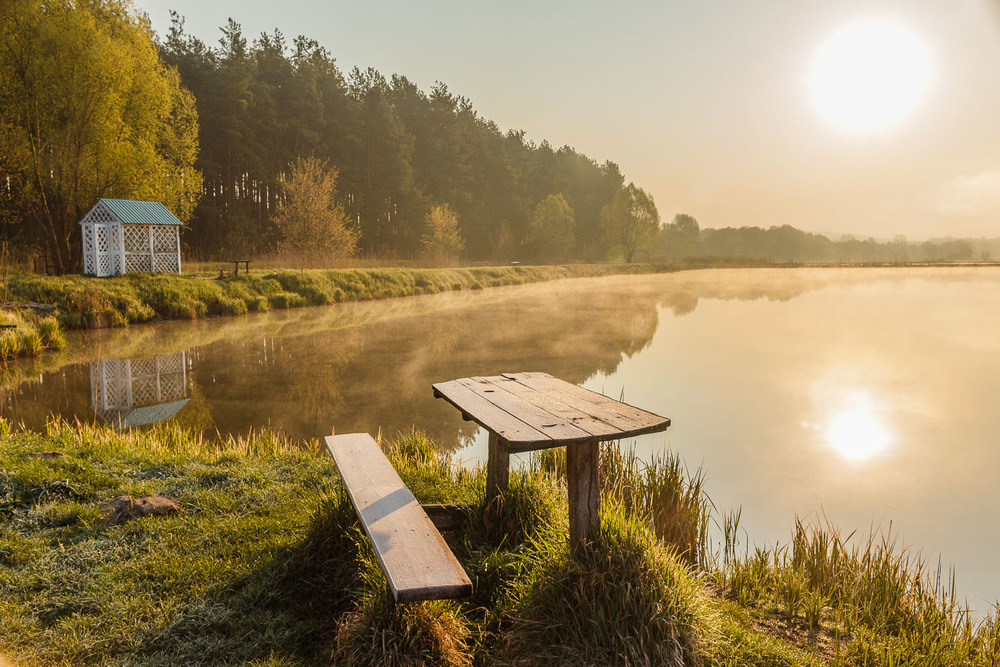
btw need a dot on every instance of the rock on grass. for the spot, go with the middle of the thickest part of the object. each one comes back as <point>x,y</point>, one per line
<point>125,508</point>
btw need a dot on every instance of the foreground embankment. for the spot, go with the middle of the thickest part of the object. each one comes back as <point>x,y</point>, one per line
<point>258,558</point>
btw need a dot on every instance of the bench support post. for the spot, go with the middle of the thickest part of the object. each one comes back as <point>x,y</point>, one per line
<point>584,486</point>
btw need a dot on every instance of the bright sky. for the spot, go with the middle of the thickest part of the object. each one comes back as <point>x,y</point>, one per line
<point>719,108</point>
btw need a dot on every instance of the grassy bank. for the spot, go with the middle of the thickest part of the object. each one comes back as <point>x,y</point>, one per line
<point>85,302</point>
<point>265,564</point>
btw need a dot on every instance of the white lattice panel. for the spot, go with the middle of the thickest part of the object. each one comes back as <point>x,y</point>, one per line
<point>114,418</point>
<point>110,384</point>
<point>166,263</point>
<point>143,367</point>
<point>96,389</point>
<point>136,238</point>
<point>105,265</point>
<point>164,239</point>
<point>89,265</point>
<point>100,214</point>
<point>144,391</point>
<point>171,387</point>
<point>137,262</point>
<point>102,243</point>
<point>171,363</point>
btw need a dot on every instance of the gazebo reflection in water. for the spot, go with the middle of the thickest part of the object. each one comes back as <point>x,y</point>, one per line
<point>127,393</point>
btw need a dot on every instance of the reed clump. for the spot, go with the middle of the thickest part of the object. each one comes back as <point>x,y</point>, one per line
<point>877,601</point>
<point>25,334</point>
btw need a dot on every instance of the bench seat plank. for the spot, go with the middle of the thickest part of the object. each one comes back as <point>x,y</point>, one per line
<point>414,557</point>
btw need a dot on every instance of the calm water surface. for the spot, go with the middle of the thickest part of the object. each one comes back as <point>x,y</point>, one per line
<point>866,396</point>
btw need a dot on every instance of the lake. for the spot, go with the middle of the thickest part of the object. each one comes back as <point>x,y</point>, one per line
<point>866,397</point>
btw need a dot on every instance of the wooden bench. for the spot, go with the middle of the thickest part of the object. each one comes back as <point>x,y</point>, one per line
<point>414,557</point>
<point>236,266</point>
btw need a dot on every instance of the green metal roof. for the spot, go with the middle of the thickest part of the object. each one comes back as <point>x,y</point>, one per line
<point>142,416</point>
<point>132,212</point>
<point>150,414</point>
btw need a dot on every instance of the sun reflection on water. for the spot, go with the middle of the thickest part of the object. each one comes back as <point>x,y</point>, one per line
<point>856,430</point>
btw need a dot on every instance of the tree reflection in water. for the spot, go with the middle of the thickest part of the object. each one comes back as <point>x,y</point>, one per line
<point>369,366</point>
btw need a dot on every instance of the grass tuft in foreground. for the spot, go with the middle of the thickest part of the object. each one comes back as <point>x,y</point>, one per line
<point>378,632</point>
<point>624,599</point>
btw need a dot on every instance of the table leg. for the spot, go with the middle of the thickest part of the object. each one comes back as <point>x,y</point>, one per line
<point>497,469</point>
<point>584,487</point>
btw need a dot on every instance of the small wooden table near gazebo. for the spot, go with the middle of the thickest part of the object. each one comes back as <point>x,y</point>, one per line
<point>526,412</point>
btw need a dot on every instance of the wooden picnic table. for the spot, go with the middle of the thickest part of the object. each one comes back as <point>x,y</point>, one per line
<point>526,412</point>
<point>236,266</point>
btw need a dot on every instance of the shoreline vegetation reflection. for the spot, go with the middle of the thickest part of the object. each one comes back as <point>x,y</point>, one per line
<point>295,365</point>
<point>296,371</point>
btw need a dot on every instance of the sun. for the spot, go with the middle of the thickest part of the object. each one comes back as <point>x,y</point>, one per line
<point>869,76</point>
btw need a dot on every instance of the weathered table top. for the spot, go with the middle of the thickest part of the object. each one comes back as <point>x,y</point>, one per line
<point>530,411</point>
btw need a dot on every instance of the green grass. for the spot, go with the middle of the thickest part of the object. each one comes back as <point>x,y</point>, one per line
<point>26,334</point>
<point>86,303</point>
<point>873,601</point>
<point>266,565</point>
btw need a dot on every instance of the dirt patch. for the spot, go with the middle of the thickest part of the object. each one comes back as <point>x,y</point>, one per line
<point>125,508</point>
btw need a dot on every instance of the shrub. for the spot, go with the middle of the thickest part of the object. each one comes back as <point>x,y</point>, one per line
<point>286,300</point>
<point>52,337</point>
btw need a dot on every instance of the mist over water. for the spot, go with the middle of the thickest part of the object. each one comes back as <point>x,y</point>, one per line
<point>865,396</point>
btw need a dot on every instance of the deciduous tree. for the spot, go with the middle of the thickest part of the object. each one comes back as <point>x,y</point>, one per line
<point>88,110</point>
<point>442,241</point>
<point>309,218</point>
<point>680,237</point>
<point>551,230</point>
<point>630,220</point>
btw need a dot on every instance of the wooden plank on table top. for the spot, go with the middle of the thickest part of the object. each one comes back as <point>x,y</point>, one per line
<point>493,390</point>
<point>584,398</point>
<point>476,408</point>
<point>630,419</point>
<point>563,408</point>
<point>414,557</point>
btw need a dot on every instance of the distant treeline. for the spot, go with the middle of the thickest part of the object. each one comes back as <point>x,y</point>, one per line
<point>683,239</point>
<point>399,151</point>
<point>263,147</point>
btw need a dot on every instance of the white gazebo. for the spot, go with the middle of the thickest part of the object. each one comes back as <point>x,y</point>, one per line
<point>126,236</point>
<point>126,393</point>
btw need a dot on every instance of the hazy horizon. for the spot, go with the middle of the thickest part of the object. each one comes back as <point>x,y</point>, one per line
<point>704,104</point>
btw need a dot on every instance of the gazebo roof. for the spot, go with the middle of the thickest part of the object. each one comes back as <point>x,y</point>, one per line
<point>132,212</point>
<point>150,414</point>
<point>142,416</point>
